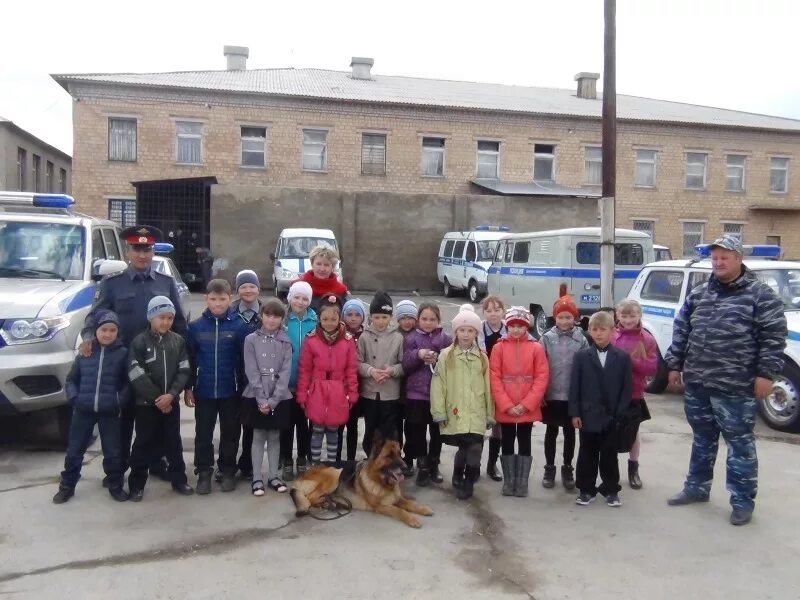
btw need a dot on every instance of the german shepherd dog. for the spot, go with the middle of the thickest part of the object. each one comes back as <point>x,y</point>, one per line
<point>374,486</point>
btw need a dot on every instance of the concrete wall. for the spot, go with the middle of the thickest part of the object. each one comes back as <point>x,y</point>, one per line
<point>388,240</point>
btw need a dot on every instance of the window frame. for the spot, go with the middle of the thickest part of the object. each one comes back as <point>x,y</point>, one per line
<point>742,168</point>
<point>493,155</point>
<point>518,260</point>
<point>471,246</point>
<point>784,170</point>
<point>249,138</point>
<point>124,205</point>
<point>645,295</point>
<point>380,166</point>
<point>188,136</point>
<point>62,180</point>
<point>442,149</point>
<point>545,156</point>
<point>684,233</point>
<point>313,144</point>
<point>110,240</point>
<point>731,224</point>
<point>509,252</point>
<point>458,251</point>
<point>49,176</point>
<point>651,230</point>
<point>135,139</point>
<point>705,171</point>
<point>447,252</point>
<point>95,246</point>
<point>36,172</point>
<point>640,161</point>
<point>22,168</point>
<point>587,160</point>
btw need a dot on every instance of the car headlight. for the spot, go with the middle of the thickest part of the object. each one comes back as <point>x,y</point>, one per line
<point>288,274</point>
<point>29,331</point>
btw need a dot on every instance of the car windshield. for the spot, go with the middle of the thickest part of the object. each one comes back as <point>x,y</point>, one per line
<point>785,283</point>
<point>486,250</point>
<point>301,247</point>
<point>41,250</point>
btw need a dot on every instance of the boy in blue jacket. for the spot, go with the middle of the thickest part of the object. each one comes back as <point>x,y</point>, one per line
<point>97,388</point>
<point>215,342</point>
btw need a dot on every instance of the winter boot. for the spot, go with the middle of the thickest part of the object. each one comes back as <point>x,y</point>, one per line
<point>433,465</point>
<point>118,494</point>
<point>509,465</point>
<point>549,479</point>
<point>228,481</point>
<point>633,475</point>
<point>302,465</point>
<point>204,482</point>
<point>288,470</point>
<point>523,471</point>
<point>568,477</point>
<point>63,494</point>
<point>458,477</point>
<point>491,465</point>
<point>408,470</point>
<point>423,473</point>
<point>471,474</point>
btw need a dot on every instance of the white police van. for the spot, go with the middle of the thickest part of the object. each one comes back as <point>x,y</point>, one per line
<point>291,255</point>
<point>661,289</point>
<point>465,257</point>
<point>535,269</point>
<point>50,261</point>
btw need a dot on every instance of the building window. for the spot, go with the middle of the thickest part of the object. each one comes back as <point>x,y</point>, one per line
<point>696,170</point>
<point>189,142</point>
<point>593,165</point>
<point>487,160</point>
<point>122,139</point>
<point>22,163</point>
<point>544,157</point>
<point>373,154</point>
<point>37,173</point>
<point>778,175</point>
<point>692,235</point>
<point>254,147</point>
<point>433,157</point>
<point>62,181</point>
<point>48,177</point>
<point>315,150</point>
<point>122,211</point>
<point>734,230</point>
<point>734,173</point>
<point>648,227</point>
<point>645,175</point>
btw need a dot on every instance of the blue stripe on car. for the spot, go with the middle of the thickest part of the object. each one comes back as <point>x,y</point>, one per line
<point>658,311</point>
<point>794,336</point>
<point>81,299</point>
<point>560,272</point>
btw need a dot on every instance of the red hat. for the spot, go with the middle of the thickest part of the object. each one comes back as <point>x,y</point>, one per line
<point>565,304</point>
<point>141,235</point>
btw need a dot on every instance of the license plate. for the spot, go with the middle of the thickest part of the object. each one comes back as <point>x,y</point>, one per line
<point>594,298</point>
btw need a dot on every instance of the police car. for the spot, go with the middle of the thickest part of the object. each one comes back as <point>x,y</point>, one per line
<point>50,261</point>
<point>291,255</point>
<point>662,287</point>
<point>465,257</point>
<point>164,264</point>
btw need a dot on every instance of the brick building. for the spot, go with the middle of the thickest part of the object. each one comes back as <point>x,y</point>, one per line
<point>28,164</point>
<point>686,173</point>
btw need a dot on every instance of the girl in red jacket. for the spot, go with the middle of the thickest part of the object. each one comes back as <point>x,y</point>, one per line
<point>327,382</point>
<point>519,376</point>
<point>641,346</point>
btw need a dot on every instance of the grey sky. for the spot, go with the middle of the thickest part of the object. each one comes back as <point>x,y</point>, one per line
<point>737,54</point>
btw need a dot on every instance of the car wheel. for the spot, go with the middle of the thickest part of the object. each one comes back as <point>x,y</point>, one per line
<point>657,383</point>
<point>448,289</point>
<point>539,323</point>
<point>781,409</point>
<point>474,294</point>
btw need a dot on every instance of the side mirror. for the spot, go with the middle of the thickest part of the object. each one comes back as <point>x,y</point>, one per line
<point>272,256</point>
<point>102,267</point>
<point>189,278</point>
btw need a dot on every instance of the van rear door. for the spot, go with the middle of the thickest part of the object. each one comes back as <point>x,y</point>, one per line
<point>630,255</point>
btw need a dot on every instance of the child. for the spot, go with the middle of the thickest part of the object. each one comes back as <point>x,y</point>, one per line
<point>300,321</point>
<point>353,313</point>
<point>327,384</point>
<point>214,342</point>
<point>560,344</point>
<point>461,402</point>
<point>492,329</point>
<point>519,374</point>
<point>599,396</point>
<point>421,350</point>
<point>159,371</point>
<point>266,407</point>
<point>97,389</point>
<point>641,346</point>
<point>606,309</point>
<point>406,314</point>
<point>322,278</point>
<point>380,369</point>
<point>247,308</point>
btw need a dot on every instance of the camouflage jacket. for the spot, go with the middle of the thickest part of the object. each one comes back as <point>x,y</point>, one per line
<point>726,335</point>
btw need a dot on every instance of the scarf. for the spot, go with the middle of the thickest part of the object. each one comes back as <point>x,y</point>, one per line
<point>324,287</point>
<point>331,337</point>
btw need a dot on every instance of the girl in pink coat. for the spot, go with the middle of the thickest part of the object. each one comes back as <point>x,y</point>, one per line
<point>327,382</point>
<point>641,346</point>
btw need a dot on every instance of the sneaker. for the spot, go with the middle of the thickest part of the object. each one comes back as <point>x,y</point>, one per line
<point>741,516</point>
<point>63,494</point>
<point>613,500</point>
<point>118,494</point>
<point>584,499</point>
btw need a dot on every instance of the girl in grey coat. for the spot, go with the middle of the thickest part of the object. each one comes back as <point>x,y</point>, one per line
<point>268,366</point>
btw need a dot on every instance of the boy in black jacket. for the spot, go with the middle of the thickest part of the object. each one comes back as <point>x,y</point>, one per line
<point>599,395</point>
<point>158,367</point>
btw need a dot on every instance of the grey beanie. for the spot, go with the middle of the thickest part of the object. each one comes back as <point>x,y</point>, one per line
<point>159,305</point>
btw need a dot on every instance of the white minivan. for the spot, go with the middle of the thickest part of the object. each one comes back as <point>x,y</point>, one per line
<point>291,255</point>
<point>464,259</point>
<point>535,269</point>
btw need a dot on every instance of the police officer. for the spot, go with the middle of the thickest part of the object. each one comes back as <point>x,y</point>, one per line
<point>127,293</point>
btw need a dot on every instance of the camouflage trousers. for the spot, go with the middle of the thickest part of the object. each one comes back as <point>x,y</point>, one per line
<point>709,413</point>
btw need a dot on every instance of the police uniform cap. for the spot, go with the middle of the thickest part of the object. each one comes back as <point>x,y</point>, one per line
<point>141,235</point>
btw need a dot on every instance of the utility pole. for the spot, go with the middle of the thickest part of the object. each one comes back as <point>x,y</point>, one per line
<point>607,202</point>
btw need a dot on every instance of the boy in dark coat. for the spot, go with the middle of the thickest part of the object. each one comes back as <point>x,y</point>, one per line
<point>599,395</point>
<point>97,388</point>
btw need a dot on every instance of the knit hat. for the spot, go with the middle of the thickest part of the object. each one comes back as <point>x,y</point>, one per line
<point>159,305</point>
<point>354,304</point>
<point>246,276</point>
<point>405,308</point>
<point>467,317</point>
<point>381,304</point>
<point>565,304</point>
<point>518,315</point>
<point>103,316</point>
<point>300,288</point>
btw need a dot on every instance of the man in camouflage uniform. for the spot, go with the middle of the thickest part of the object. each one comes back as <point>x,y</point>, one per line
<point>728,342</point>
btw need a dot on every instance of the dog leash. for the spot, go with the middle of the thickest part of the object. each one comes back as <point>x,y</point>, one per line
<point>334,506</point>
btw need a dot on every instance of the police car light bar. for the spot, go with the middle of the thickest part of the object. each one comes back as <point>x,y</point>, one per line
<point>491,228</point>
<point>37,200</point>
<point>754,251</point>
<point>163,248</point>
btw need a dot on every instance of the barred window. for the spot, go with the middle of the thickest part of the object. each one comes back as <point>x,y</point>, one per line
<point>121,139</point>
<point>734,230</point>
<point>122,211</point>
<point>648,227</point>
<point>692,236</point>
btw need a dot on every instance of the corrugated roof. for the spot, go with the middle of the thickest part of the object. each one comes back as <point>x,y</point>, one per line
<point>339,85</point>
<point>535,188</point>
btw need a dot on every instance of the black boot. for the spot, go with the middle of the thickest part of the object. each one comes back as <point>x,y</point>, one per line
<point>471,474</point>
<point>568,477</point>
<point>549,479</point>
<point>228,483</point>
<point>63,494</point>
<point>436,476</point>
<point>633,475</point>
<point>509,465</point>
<point>458,477</point>
<point>491,465</point>
<point>204,482</point>
<point>118,494</point>
<point>183,488</point>
<point>423,473</point>
<point>523,471</point>
<point>408,470</point>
